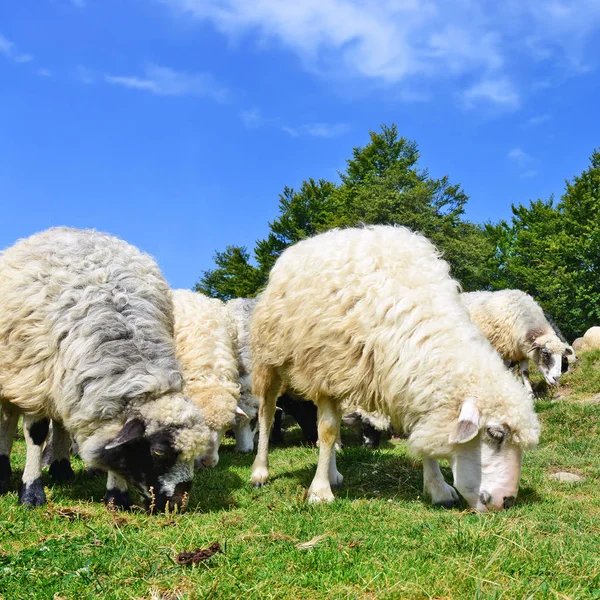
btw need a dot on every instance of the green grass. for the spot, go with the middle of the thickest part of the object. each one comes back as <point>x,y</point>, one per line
<point>380,539</point>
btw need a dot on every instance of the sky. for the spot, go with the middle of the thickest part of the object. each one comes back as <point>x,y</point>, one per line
<point>176,124</point>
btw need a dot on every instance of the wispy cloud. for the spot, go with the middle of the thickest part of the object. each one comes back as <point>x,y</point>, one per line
<point>164,81</point>
<point>9,50</point>
<point>78,3</point>
<point>537,120</point>
<point>392,43</point>
<point>499,92</point>
<point>320,130</point>
<point>44,73</point>
<point>524,162</point>
<point>252,118</point>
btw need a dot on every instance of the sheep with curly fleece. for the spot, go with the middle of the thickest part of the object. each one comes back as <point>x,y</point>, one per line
<point>244,429</point>
<point>591,339</point>
<point>205,342</point>
<point>86,338</point>
<point>371,316</point>
<point>515,325</point>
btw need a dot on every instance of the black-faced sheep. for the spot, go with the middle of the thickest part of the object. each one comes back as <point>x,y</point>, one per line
<point>205,342</point>
<point>515,325</point>
<point>371,316</point>
<point>86,338</point>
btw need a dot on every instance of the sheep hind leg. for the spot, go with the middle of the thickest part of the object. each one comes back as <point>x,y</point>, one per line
<point>434,485</point>
<point>327,473</point>
<point>8,428</point>
<point>60,467</point>
<point>267,386</point>
<point>36,432</point>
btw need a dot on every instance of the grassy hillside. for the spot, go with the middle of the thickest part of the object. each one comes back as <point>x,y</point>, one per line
<point>378,540</point>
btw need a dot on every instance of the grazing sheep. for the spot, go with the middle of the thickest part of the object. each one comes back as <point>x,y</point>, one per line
<point>591,339</point>
<point>241,310</point>
<point>86,339</point>
<point>205,343</point>
<point>578,344</point>
<point>570,358</point>
<point>515,325</point>
<point>371,317</point>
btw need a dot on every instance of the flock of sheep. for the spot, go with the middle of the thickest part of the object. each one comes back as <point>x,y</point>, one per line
<point>96,348</point>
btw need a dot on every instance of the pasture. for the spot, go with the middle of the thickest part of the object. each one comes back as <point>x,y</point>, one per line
<point>380,539</point>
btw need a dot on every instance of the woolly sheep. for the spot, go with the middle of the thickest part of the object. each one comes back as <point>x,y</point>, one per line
<point>578,344</point>
<point>515,325</point>
<point>241,310</point>
<point>591,339</point>
<point>86,338</point>
<point>205,342</point>
<point>371,316</point>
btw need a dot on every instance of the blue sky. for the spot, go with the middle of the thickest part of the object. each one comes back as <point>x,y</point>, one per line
<point>175,124</point>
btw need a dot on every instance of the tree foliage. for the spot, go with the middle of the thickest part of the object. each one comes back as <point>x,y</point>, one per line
<point>552,251</point>
<point>382,184</point>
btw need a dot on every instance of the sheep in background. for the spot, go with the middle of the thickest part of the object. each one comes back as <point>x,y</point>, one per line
<point>86,338</point>
<point>205,343</point>
<point>578,344</point>
<point>570,358</point>
<point>591,339</point>
<point>371,317</point>
<point>515,325</point>
<point>241,310</point>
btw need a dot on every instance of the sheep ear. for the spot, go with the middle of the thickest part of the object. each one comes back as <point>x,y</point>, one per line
<point>132,430</point>
<point>467,425</point>
<point>569,351</point>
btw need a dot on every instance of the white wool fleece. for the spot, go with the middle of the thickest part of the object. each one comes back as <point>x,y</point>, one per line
<point>205,341</point>
<point>512,320</point>
<point>370,315</point>
<point>86,333</point>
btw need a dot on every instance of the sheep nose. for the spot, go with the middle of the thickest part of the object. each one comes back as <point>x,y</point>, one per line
<point>485,498</point>
<point>509,501</point>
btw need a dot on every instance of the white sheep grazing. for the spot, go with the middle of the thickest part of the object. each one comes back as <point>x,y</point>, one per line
<point>241,310</point>
<point>205,342</point>
<point>591,339</point>
<point>86,338</point>
<point>515,325</point>
<point>371,316</point>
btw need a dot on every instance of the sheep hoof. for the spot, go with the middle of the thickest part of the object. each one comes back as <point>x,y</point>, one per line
<point>117,499</point>
<point>259,476</point>
<point>5,473</point>
<point>322,496</point>
<point>32,494</point>
<point>336,480</point>
<point>60,470</point>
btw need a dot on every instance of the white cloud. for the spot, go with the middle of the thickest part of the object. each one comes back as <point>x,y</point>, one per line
<point>78,3</point>
<point>164,81</point>
<point>320,130</point>
<point>499,92</point>
<point>393,42</point>
<point>530,173</point>
<point>44,72</point>
<point>252,118</point>
<point>537,120</point>
<point>9,50</point>
<point>519,156</point>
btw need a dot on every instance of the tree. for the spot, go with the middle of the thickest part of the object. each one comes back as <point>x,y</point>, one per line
<point>381,184</point>
<point>553,252</point>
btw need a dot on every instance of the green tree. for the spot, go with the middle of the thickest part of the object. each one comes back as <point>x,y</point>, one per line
<point>552,251</point>
<point>382,184</point>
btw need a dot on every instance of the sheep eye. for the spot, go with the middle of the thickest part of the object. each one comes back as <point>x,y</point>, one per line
<point>496,433</point>
<point>157,452</point>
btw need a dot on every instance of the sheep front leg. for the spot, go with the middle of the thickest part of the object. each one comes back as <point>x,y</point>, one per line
<point>434,485</point>
<point>8,428</point>
<point>327,473</point>
<point>524,366</point>
<point>268,382</point>
<point>117,495</point>
<point>60,468</point>
<point>36,432</point>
